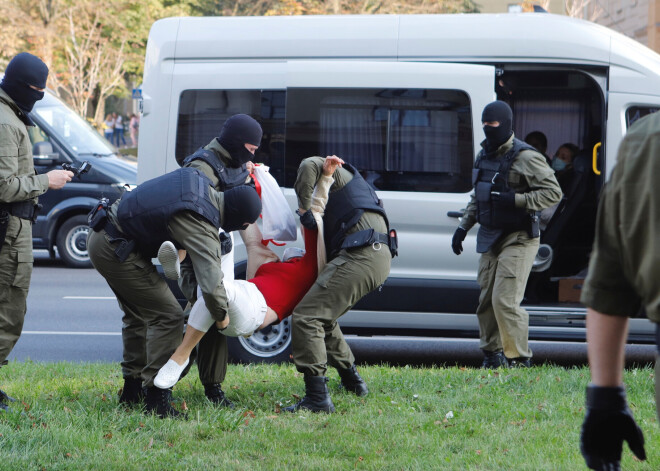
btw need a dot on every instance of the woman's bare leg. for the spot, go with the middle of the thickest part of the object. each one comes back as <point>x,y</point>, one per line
<point>271,316</point>
<point>190,340</point>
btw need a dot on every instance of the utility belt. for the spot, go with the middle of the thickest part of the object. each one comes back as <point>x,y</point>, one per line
<point>23,209</point>
<point>373,238</point>
<point>98,220</point>
<point>531,225</point>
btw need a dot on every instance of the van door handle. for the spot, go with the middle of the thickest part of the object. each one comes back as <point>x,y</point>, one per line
<point>456,214</point>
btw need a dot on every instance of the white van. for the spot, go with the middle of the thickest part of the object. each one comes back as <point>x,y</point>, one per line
<point>400,97</point>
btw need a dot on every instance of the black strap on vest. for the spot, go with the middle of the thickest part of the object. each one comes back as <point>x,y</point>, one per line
<point>345,208</point>
<point>492,174</point>
<point>228,177</point>
<point>500,167</point>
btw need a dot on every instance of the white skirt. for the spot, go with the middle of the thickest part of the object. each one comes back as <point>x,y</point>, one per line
<point>246,310</point>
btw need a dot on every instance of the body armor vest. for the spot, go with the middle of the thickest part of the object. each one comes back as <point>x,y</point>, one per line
<point>493,175</point>
<point>145,212</point>
<point>228,177</point>
<point>345,208</point>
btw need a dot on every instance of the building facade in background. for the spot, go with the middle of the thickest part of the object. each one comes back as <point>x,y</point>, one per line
<point>637,19</point>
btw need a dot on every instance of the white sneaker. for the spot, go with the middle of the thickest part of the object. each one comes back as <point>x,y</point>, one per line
<point>168,256</point>
<point>169,374</point>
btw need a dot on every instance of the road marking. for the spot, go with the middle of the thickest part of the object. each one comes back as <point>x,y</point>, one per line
<point>41,332</point>
<point>89,297</point>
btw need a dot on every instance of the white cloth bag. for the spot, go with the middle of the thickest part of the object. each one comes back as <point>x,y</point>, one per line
<point>278,220</point>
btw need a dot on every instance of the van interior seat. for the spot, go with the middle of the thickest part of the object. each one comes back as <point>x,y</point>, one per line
<point>571,228</point>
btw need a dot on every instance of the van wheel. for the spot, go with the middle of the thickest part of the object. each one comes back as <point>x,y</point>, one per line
<point>72,242</point>
<point>269,345</point>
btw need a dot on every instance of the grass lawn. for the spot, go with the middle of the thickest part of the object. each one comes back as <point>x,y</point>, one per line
<point>67,417</point>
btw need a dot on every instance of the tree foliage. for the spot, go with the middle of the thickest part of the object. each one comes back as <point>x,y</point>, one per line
<point>93,48</point>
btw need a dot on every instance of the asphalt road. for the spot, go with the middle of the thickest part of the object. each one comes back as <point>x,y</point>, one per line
<point>73,316</point>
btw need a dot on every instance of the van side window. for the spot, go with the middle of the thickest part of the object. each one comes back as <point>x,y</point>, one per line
<point>636,112</point>
<point>203,112</point>
<point>401,139</point>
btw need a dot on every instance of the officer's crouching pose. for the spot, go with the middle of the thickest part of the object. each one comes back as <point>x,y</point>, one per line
<point>224,160</point>
<point>511,182</point>
<point>360,250</point>
<point>181,206</point>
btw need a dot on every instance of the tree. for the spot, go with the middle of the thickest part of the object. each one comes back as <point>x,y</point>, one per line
<point>324,7</point>
<point>586,9</point>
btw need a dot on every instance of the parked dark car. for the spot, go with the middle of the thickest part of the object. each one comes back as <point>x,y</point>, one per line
<point>62,136</point>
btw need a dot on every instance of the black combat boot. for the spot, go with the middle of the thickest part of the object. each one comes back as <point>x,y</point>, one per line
<point>494,359</point>
<point>158,401</point>
<point>216,395</point>
<point>317,398</point>
<point>4,399</point>
<point>520,362</point>
<point>352,381</point>
<point>132,393</point>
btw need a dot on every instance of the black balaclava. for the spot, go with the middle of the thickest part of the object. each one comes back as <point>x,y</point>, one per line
<point>242,207</point>
<point>21,72</point>
<point>496,136</point>
<point>237,131</point>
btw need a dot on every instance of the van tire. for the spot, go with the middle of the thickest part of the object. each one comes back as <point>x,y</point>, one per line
<point>72,242</point>
<point>269,345</point>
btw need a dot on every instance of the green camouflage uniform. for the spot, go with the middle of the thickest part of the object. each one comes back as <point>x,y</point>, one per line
<point>316,337</point>
<point>625,261</point>
<point>504,269</point>
<point>18,182</point>
<point>153,318</point>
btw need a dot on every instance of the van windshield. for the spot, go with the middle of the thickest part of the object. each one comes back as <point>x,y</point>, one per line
<point>70,128</point>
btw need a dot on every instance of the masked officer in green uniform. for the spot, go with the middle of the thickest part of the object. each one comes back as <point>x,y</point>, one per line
<point>512,182</point>
<point>224,160</point>
<point>622,278</point>
<point>358,242</point>
<point>184,207</point>
<point>22,86</point>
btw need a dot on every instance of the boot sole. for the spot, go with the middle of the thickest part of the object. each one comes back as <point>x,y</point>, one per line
<point>168,256</point>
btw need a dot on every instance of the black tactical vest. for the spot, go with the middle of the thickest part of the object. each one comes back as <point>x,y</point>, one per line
<point>345,208</point>
<point>144,213</point>
<point>228,177</point>
<point>493,175</point>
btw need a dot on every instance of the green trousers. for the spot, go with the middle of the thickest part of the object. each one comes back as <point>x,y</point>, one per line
<point>152,324</point>
<point>503,274</point>
<point>316,337</point>
<point>15,272</point>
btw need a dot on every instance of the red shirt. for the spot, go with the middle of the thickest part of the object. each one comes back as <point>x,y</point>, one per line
<point>284,284</point>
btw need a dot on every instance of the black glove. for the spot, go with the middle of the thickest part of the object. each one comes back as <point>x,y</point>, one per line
<point>607,423</point>
<point>307,220</point>
<point>225,243</point>
<point>505,198</point>
<point>457,240</point>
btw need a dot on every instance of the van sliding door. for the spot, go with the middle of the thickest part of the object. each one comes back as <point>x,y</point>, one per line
<point>412,129</point>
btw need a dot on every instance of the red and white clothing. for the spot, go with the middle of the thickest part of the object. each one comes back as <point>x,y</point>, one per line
<point>279,285</point>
